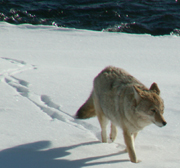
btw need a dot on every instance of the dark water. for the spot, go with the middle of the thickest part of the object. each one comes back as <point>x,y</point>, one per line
<point>155,17</point>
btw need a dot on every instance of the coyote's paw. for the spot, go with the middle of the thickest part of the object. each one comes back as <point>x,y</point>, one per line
<point>136,161</point>
<point>112,138</point>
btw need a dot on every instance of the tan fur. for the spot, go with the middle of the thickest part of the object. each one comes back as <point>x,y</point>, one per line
<point>119,97</point>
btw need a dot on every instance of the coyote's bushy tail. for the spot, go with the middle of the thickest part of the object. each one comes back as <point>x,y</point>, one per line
<point>87,109</point>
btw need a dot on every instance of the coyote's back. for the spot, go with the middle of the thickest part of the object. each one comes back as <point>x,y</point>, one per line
<point>107,79</point>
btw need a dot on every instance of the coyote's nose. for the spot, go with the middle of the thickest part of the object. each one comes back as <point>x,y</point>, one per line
<point>164,123</point>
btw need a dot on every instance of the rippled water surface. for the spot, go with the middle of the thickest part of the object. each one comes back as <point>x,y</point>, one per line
<point>156,17</point>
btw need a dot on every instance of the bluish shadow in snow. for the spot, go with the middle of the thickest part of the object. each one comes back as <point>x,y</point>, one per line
<point>36,155</point>
<point>14,61</point>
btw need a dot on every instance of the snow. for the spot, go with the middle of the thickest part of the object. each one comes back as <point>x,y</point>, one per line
<point>46,74</point>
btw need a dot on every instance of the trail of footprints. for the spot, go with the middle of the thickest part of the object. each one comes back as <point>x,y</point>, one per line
<point>43,102</point>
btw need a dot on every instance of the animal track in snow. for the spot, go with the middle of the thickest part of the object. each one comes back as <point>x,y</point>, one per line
<point>35,99</point>
<point>22,82</point>
<point>50,108</point>
<point>19,62</point>
<point>43,102</point>
<point>49,103</point>
<point>21,67</point>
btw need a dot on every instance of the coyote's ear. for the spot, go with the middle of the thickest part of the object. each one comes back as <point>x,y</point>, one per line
<point>154,87</point>
<point>137,94</point>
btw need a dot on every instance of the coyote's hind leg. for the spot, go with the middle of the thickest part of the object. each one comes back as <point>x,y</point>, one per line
<point>113,133</point>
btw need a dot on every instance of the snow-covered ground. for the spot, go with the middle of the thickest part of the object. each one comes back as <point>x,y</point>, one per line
<point>46,74</point>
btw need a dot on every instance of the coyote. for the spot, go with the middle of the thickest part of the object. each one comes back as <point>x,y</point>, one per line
<point>126,102</point>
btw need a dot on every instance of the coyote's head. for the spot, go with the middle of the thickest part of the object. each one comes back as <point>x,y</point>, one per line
<point>149,105</point>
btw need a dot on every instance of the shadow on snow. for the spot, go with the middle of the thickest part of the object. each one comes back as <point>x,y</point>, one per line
<point>36,155</point>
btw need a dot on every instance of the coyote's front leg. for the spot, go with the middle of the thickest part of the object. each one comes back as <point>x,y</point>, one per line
<point>129,141</point>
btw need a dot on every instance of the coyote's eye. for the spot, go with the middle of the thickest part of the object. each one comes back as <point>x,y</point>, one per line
<point>153,110</point>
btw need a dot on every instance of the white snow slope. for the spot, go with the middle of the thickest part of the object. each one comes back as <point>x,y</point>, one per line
<point>46,74</point>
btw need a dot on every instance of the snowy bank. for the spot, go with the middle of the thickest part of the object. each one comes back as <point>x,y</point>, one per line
<point>46,74</point>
